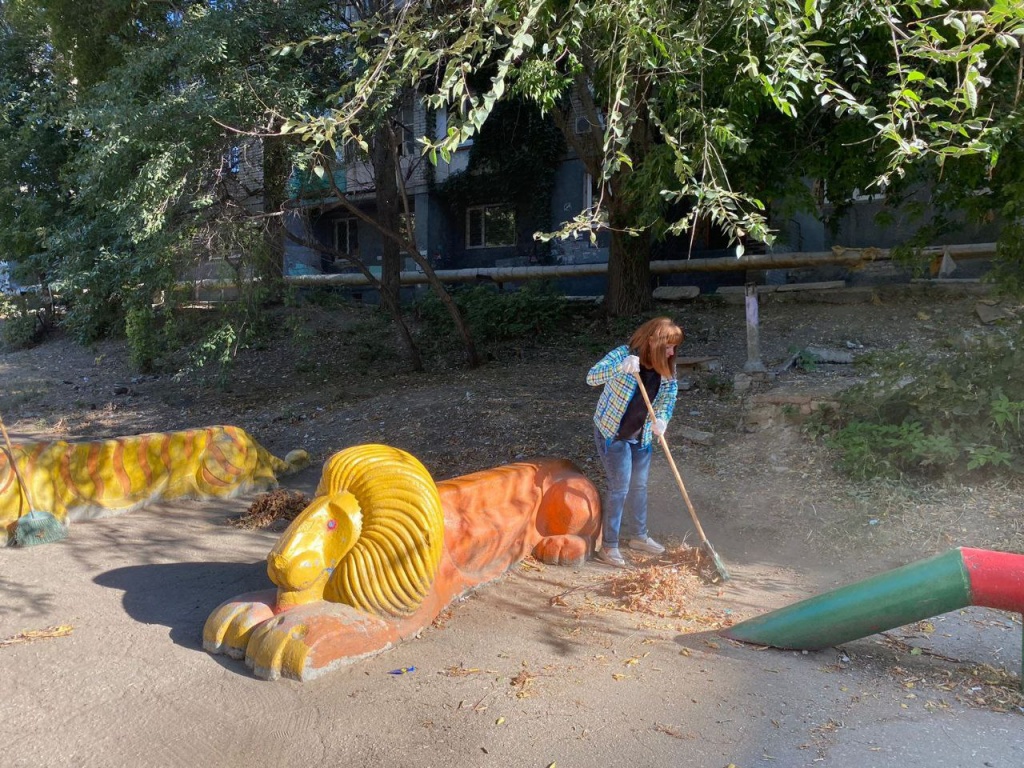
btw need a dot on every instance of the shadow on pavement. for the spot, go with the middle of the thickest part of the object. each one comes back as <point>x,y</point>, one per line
<point>182,595</point>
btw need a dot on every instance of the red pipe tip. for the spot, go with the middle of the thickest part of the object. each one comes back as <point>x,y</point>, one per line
<point>996,578</point>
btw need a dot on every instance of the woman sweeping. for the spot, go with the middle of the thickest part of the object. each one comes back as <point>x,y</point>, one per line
<point>623,431</point>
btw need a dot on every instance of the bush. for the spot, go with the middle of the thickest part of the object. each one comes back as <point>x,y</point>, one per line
<point>19,328</point>
<point>959,412</point>
<point>532,313</point>
<point>145,345</point>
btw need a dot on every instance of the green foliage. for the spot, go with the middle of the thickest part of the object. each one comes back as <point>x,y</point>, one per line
<point>115,183</point>
<point>212,356</point>
<point>961,412</point>
<point>705,116</point>
<point>530,314</point>
<point>805,361</point>
<point>1008,269</point>
<point>19,328</point>
<point>871,450</point>
<point>300,336</point>
<point>143,338</point>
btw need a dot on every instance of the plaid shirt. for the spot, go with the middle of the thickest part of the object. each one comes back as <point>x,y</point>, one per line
<point>619,389</point>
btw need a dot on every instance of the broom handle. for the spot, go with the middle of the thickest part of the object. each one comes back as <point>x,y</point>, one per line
<point>14,464</point>
<point>671,463</point>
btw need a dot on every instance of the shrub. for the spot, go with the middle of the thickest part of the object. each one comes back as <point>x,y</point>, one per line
<point>961,411</point>
<point>19,328</point>
<point>143,338</point>
<point>529,314</point>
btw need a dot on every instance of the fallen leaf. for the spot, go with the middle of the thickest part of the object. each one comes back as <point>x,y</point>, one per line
<point>63,630</point>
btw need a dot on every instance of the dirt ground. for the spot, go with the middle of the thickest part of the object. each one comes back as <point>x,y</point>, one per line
<point>584,666</point>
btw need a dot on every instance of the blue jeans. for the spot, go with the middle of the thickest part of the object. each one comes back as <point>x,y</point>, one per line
<point>626,466</point>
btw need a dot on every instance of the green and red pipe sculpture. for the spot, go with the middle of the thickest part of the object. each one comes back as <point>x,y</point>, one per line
<point>953,580</point>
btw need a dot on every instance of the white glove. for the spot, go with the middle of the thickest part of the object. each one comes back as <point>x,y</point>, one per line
<point>658,427</point>
<point>630,365</point>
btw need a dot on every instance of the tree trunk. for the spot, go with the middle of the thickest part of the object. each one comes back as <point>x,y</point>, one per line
<point>275,179</point>
<point>629,265</point>
<point>384,159</point>
<point>385,169</point>
<point>390,303</point>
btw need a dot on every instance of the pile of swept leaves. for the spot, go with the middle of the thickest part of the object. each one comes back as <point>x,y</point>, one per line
<point>664,586</point>
<point>270,507</point>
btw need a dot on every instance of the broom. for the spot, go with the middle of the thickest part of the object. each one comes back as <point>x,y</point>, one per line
<point>36,526</point>
<point>720,572</point>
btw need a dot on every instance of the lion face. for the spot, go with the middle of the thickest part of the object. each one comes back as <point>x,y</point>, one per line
<point>304,558</point>
<point>372,538</point>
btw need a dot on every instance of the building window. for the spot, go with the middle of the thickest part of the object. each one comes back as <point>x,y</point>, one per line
<point>591,197</point>
<point>405,130</point>
<point>234,159</point>
<point>346,236</point>
<point>351,154</point>
<point>591,192</point>
<point>490,226</point>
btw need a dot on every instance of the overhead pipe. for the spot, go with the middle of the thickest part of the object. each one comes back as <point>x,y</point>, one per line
<point>837,256</point>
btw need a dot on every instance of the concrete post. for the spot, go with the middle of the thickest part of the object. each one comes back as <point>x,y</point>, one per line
<point>753,364</point>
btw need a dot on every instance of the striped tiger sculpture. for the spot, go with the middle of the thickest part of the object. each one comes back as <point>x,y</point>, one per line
<point>82,480</point>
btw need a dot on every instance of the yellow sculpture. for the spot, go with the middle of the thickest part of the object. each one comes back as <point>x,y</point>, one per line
<point>75,481</point>
<point>381,550</point>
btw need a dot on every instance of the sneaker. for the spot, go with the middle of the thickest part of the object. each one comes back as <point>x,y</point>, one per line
<point>646,544</point>
<point>610,556</point>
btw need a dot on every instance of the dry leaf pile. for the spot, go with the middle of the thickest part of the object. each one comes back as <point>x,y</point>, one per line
<point>270,507</point>
<point>665,588</point>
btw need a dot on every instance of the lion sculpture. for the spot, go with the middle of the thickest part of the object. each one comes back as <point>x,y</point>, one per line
<point>381,550</point>
<point>81,480</point>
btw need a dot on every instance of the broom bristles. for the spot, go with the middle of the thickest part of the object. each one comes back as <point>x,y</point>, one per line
<point>38,528</point>
<point>719,571</point>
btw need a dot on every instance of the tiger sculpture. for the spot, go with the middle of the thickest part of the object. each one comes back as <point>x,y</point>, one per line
<point>381,550</point>
<point>82,480</point>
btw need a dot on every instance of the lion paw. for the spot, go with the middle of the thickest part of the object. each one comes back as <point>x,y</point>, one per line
<point>565,549</point>
<point>308,640</point>
<point>229,627</point>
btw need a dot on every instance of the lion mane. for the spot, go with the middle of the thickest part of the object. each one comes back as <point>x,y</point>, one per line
<point>391,566</point>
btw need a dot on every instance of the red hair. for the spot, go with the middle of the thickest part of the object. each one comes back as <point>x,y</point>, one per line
<point>650,341</point>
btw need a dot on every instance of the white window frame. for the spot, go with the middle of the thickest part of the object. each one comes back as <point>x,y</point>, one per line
<point>405,129</point>
<point>350,224</point>
<point>591,195</point>
<point>482,210</point>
